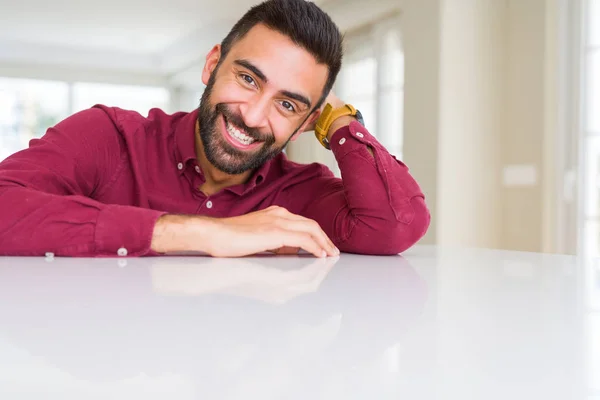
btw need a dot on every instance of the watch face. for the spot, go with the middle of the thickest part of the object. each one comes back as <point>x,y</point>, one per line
<point>359,117</point>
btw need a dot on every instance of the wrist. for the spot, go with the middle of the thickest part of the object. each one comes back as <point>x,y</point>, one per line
<point>338,124</point>
<point>175,233</point>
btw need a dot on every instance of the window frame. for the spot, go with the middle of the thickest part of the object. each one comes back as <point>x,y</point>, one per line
<point>580,69</point>
<point>579,124</point>
<point>369,40</point>
<point>70,109</point>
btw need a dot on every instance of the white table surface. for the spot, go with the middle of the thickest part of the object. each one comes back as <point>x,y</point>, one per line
<point>433,324</point>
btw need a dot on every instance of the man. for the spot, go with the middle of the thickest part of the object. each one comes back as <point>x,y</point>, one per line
<point>108,182</point>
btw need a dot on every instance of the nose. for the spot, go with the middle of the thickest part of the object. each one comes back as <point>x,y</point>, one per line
<point>256,111</point>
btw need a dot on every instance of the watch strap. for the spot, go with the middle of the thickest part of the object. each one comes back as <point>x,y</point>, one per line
<point>327,117</point>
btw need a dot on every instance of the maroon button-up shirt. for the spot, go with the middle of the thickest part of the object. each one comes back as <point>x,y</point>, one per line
<point>95,184</point>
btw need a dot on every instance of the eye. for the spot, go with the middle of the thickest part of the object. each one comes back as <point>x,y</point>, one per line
<point>248,79</point>
<point>288,106</point>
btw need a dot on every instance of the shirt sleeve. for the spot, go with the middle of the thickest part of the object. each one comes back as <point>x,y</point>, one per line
<point>376,208</point>
<point>46,194</point>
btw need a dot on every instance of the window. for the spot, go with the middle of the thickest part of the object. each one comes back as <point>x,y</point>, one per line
<point>594,352</point>
<point>391,90</point>
<point>372,79</point>
<point>136,98</point>
<point>358,82</point>
<point>29,107</point>
<point>593,92</point>
<point>591,129</point>
<point>594,27</point>
<point>590,215</point>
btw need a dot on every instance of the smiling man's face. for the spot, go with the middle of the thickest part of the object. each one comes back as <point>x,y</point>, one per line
<point>258,98</point>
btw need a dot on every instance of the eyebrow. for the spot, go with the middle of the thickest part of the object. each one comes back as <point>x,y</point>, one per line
<point>296,96</point>
<point>256,71</point>
<point>248,65</point>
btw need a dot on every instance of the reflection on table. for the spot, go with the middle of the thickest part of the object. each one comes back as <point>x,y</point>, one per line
<point>262,327</point>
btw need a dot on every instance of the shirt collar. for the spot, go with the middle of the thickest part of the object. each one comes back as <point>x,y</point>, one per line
<point>185,150</point>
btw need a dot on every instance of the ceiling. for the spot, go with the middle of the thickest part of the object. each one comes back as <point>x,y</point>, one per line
<point>153,37</point>
<point>138,26</point>
<point>146,36</point>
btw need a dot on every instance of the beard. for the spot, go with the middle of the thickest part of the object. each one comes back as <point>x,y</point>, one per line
<point>222,154</point>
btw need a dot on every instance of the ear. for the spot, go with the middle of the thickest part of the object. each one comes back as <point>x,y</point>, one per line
<point>308,125</point>
<point>212,60</point>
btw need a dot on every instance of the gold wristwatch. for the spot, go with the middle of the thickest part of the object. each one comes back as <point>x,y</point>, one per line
<point>329,115</point>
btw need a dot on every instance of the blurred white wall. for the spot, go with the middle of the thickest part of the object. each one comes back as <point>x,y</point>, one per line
<point>475,120</point>
<point>472,124</point>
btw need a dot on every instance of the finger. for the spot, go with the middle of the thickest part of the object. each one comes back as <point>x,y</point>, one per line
<point>302,240</point>
<point>317,230</point>
<point>314,230</point>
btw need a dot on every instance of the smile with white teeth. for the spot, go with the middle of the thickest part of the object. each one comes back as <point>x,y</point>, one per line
<point>239,136</point>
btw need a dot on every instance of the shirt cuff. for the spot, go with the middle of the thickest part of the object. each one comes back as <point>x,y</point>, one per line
<point>125,230</point>
<point>351,138</point>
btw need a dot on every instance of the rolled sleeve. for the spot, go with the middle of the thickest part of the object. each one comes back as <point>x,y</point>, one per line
<point>351,138</point>
<point>383,209</point>
<point>125,231</point>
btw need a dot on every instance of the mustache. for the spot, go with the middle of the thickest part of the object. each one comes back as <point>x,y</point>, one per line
<point>237,120</point>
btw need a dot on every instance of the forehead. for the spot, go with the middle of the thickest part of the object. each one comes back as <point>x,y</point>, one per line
<point>282,61</point>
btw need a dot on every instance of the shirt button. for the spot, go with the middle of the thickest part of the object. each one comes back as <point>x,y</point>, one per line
<point>180,166</point>
<point>342,140</point>
<point>360,135</point>
<point>209,204</point>
<point>122,252</point>
<point>197,169</point>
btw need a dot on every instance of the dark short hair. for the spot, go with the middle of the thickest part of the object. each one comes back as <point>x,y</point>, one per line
<point>304,23</point>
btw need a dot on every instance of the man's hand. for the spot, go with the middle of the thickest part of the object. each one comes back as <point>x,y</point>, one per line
<point>335,102</point>
<point>331,98</point>
<point>272,229</point>
<point>264,278</point>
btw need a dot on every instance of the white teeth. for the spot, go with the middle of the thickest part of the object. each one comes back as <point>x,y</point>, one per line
<point>239,136</point>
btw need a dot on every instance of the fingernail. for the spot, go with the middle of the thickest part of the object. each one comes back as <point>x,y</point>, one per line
<point>337,251</point>
<point>324,254</point>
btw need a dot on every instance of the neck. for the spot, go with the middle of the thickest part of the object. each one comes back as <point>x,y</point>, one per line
<point>215,178</point>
